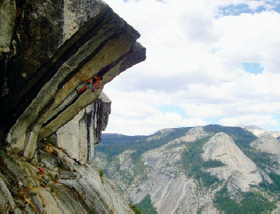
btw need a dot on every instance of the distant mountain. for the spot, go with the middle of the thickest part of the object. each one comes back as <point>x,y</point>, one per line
<point>260,131</point>
<point>210,169</point>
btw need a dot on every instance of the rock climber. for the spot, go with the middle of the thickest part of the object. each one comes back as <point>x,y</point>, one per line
<point>97,83</point>
<point>91,83</point>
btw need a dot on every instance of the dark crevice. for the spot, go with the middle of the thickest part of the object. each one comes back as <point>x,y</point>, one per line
<point>51,66</point>
<point>90,118</point>
<point>102,72</point>
<point>14,104</point>
<point>89,57</point>
<point>55,116</point>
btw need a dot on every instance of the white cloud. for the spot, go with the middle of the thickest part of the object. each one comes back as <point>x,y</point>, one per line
<point>204,110</point>
<point>254,5</point>
<point>151,124</point>
<point>250,38</point>
<point>259,120</point>
<point>194,61</point>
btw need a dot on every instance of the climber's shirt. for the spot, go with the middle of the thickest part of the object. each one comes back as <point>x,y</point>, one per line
<point>90,84</point>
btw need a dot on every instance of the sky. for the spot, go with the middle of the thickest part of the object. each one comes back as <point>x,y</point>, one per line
<point>208,62</point>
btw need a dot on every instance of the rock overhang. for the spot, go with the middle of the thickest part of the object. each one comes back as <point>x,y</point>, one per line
<point>104,46</point>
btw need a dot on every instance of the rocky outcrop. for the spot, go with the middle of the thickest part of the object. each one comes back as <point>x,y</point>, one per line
<point>171,190</point>
<point>7,23</point>
<point>57,185</point>
<point>257,131</point>
<point>209,169</point>
<point>161,175</point>
<point>56,47</point>
<point>267,143</point>
<point>221,147</point>
<point>269,146</point>
<point>79,136</point>
<point>55,58</point>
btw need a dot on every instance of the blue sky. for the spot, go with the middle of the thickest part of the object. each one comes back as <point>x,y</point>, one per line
<point>252,67</point>
<point>208,61</point>
<point>236,9</point>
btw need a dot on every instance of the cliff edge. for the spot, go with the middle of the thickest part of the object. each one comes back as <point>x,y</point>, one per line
<point>56,57</point>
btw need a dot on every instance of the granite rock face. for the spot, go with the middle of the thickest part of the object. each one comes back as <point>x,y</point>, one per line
<point>49,51</point>
<point>161,175</point>
<point>238,167</point>
<point>7,22</point>
<point>57,185</point>
<point>194,170</point>
<point>79,136</point>
<point>57,46</point>
<point>267,143</point>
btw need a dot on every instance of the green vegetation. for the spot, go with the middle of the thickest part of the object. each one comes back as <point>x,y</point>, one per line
<point>225,203</point>
<point>274,186</point>
<point>135,209</point>
<point>260,158</point>
<point>263,160</point>
<point>199,211</point>
<point>52,190</point>
<point>2,154</point>
<point>146,206</point>
<point>241,136</point>
<point>251,203</point>
<point>115,144</point>
<point>212,164</point>
<point>139,168</point>
<point>93,211</point>
<point>194,165</point>
<point>101,173</point>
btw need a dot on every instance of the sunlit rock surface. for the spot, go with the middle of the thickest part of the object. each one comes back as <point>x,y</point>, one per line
<point>48,126</point>
<point>199,170</point>
<point>79,136</point>
<point>242,171</point>
<point>57,185</point>
<point>57,47</point>
<point>267,143</point>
